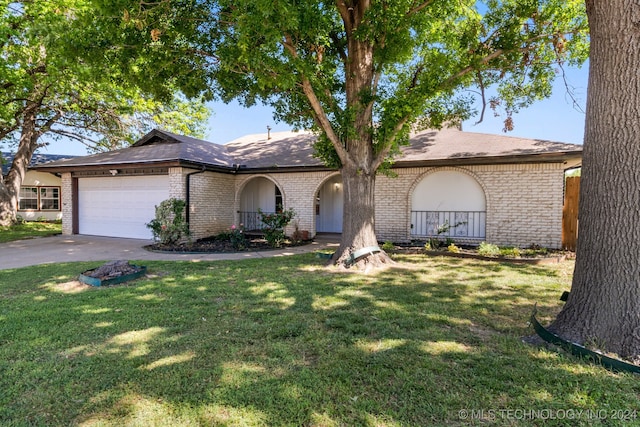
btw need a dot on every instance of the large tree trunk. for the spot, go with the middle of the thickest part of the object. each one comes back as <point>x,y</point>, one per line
<point>359,161</point>
<point>358,222</point>
<point>10,186</point>
<point>603,309</point>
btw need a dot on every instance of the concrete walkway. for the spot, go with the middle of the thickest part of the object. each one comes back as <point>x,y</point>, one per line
<point>58,249</point>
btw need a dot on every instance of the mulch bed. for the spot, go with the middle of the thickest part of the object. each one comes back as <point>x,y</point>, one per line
<point>214,245</point>
<point>552,257</point>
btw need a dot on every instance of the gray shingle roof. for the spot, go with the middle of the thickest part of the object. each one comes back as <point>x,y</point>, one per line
<point>281,149</point>
<point>295,149</point>
<point>36,160</point>
<point>157,146</point>
<point>449,144</point>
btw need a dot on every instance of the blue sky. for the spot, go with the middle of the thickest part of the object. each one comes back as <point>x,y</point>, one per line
<point>554,119</point>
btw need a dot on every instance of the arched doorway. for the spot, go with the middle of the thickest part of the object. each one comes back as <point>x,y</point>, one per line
<point>448,203</point>
<point>259,194</point>
<point>329,206</point>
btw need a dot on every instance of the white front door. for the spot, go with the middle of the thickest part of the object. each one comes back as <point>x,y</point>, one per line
<point>330,205</point>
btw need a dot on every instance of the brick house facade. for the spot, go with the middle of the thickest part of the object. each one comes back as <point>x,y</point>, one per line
<point>520,183</point>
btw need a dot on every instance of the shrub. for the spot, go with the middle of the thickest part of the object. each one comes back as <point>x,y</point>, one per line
<point>488,249</point>
<point>237,238</point>
<point>388,246</point>
<point>510,252</point>
<point>274,225</point>
<point>453,248</point>
<point>434,244</point>
<point>170,225</point>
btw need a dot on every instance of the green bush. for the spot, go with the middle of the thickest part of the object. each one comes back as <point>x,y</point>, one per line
<point>511,252</point>
<point>237,238</point>
<point>274,225</point>
<point>388,246</point>
<point>488,249</point>
<point>170,225</point>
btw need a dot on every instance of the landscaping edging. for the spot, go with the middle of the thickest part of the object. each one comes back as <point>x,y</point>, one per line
<point>94,281</point>
<point>580,351</point>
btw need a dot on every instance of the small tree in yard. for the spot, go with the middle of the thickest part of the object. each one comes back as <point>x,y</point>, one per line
<point>364,73</point>
<point>170,225</point>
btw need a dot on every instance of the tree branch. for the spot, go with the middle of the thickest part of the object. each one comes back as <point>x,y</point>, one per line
<point>320,116</point>
<point>75,136</point>
<point>419,7</point>
<point>574,101</point>
<point>484,100</point>
<point>382,155</point>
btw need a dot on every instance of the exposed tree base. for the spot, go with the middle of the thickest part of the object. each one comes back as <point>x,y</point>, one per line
<point>7,211</point>
<point>627,349</point>
<point>367,264</point>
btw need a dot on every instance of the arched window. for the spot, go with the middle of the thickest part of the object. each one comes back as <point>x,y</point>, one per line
<point>448,203</point>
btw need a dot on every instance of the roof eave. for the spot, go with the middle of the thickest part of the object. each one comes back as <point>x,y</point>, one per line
<point>282,168</point>
<point>138,165</point>
<point>107,165</point>
<point>559,157</point>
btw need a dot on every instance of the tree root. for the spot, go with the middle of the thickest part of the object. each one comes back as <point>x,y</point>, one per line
<point>368,263</point>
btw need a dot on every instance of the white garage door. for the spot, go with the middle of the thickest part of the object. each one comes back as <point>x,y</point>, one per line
<point>120,206</point>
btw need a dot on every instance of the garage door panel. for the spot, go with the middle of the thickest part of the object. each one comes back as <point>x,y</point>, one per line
<point>120,206</point>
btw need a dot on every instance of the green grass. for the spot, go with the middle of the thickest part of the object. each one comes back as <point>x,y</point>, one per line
<point>29,230</point>
<point>283,341</point>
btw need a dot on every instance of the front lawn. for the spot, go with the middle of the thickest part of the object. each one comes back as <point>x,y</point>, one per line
<point>283,341</point>
<point>29,230</point>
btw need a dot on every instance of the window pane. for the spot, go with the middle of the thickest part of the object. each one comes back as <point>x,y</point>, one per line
<point>28,198</point>
<point>50,205</point>
<point>50,198</point>
<point>27,204</point>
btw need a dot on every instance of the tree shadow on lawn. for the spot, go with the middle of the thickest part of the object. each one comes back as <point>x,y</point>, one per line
<point>289,343</point>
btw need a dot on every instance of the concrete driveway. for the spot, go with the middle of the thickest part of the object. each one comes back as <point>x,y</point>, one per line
<point>58,249</point>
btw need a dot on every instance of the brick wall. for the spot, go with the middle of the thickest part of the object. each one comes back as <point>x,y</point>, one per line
<point>524,202</point>
<point>66,195</point>
<point>212,203</point>
<point>298,192</point>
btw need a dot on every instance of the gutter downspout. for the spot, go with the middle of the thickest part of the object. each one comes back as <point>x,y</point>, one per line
<point>188,198</point>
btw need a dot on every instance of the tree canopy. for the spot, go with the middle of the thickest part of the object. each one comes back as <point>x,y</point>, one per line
<point>93,71</point>
<point>372,70</point>
<point>365,73</point>
<point>89,70</point>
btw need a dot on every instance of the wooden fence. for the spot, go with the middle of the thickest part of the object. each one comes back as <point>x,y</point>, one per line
<point>570,213</point>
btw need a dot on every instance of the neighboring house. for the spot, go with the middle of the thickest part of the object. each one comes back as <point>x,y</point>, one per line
<point>40,193</point>
<point>499,189</point>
